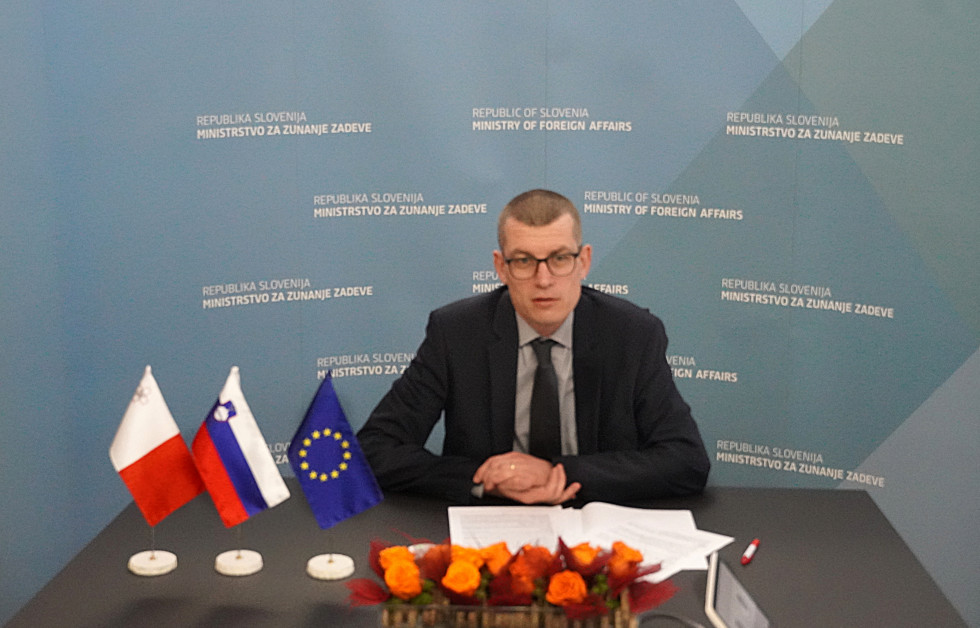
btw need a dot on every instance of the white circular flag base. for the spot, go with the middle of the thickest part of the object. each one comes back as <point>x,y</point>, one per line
<point>152,563</point>
<point>238,563</point>
<point>330,566</point>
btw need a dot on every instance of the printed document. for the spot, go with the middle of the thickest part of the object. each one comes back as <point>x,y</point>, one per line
<point>669,537</point>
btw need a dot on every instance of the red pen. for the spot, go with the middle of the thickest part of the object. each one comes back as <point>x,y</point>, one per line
<point>750,552</point>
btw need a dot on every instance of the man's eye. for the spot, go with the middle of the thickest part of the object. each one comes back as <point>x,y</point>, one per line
<point>561,257</point>
<point>521,261</point>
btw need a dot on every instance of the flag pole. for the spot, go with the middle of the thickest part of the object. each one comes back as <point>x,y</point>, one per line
<point>333,473</point>
<point>152,459</point>
<point>238,470</point>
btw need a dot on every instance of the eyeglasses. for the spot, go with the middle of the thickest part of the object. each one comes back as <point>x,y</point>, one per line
<point>559,264</point>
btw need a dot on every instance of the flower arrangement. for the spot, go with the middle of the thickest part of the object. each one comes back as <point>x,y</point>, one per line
<point>578,582</point>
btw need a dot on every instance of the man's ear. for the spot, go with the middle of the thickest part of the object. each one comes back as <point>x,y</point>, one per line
<point>500,266</point>
<point>584,260</point>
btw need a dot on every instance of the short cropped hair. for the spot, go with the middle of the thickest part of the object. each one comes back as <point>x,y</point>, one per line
<point>536,208</point>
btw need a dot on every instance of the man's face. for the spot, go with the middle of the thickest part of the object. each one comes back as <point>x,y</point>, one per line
<point>543,300</point>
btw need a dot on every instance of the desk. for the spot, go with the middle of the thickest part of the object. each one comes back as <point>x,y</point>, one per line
<point>828,558</point>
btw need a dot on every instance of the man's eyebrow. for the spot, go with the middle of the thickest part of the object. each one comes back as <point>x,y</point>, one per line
<point>559,251</point>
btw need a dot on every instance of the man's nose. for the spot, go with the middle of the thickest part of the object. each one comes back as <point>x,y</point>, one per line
<point>542,274</point>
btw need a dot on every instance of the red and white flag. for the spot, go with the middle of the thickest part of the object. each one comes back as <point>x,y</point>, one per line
<point>151,456</point>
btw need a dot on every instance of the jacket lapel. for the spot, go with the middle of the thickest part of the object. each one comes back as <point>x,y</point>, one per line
<point>502,356</point>
<point>585,365</point>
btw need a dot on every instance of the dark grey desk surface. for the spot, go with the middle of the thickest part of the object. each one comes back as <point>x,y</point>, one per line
<point>827,558</point>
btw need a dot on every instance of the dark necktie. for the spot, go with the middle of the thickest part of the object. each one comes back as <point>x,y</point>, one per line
<point>545,437</point>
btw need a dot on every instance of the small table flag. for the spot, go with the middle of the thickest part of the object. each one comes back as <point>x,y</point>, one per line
<point>328,462</point>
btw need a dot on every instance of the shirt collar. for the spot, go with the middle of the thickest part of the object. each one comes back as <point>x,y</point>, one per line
<point>563,335</point>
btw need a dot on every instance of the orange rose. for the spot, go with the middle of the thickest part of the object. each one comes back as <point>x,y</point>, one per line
<point>566,587</point>
<point>624,560</point>
<point>467,554</point>
<point>402,578</point>
<point>394,554</point>
<point>584,553</point>
<point>495,557</point>
<point>532,562</point>
<point>462,577</point>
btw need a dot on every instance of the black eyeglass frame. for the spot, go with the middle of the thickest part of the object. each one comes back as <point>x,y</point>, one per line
<point>547,262</point>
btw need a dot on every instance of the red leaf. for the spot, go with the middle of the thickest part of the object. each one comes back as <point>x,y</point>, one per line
<point>412,540</point>
<point>366,592</point>
<point>502,592</point>
<point>510,599</point>
<point>555,566</point>
<point>646,595</point>
<point>592,606</point>
<point>616,585</point>
<point>374,552</point>
<point>458,598</point>
<point>435,562</point>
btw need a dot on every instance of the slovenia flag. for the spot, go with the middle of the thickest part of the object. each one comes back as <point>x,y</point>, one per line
<point>234,459</point>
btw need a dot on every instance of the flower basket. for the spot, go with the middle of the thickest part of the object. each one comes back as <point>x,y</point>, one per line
<point>448,586</point>
<point>459,616</point>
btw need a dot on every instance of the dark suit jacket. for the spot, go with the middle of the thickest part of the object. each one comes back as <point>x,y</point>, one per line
<point>636,437</point>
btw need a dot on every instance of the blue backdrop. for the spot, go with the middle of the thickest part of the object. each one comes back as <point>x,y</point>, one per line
<point>291,187</point>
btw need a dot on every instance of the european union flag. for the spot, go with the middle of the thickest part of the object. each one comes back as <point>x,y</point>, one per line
<point>328,462</point>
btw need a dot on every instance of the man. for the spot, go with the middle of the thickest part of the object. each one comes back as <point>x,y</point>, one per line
<point>619,430</point>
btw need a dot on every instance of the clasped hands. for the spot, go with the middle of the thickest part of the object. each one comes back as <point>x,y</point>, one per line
<point>525,479</point>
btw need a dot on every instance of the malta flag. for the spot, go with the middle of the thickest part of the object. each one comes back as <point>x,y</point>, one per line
<point>151,457</point>
<point>234,459</point>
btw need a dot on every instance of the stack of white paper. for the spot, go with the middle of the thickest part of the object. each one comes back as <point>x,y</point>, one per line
<point>668,537</point>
